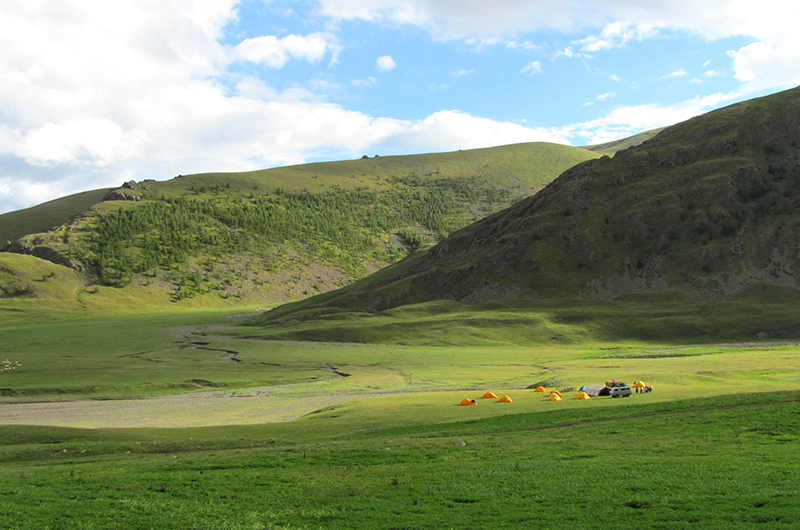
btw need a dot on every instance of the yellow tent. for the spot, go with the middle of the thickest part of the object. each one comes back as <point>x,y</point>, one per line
<point>488,395</point>
<point>554,397</point>
<point>639,384</point>
<point>505,399</point>
<point>466,401</point>
<point>582,395</point>
<point>540,389</point>
<point>556,392</point>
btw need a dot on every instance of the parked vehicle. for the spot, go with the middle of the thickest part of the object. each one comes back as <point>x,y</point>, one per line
<point>621,391</point>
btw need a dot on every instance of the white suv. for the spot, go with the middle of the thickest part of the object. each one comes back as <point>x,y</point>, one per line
<point>621,391</point>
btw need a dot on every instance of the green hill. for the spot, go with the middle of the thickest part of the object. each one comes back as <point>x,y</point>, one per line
<point>706,209</point>
<point>611,148</point>
<point>284,233</point>
<point>43,217</point>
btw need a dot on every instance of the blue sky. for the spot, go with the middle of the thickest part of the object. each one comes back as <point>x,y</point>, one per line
<point>94,93</point>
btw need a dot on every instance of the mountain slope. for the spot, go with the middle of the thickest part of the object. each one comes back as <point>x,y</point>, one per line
<point>611,148</point>
<point>286,233</point>
<point>707,208</point>
<point>42,217</point>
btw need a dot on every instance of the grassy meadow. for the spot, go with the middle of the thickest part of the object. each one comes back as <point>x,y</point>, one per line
<point>153,396</point>
<point>189,419</point>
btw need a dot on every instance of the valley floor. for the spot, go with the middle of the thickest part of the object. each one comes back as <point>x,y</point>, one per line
<point>184,420</point>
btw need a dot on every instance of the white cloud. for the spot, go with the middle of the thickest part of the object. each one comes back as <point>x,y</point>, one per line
<point>601,97</point>
<point>448,19</point>
<point>366,82</point>
<point>532,68</point>
<point>93,92</point>
<point>615,35</point>
<point>619,19</point>
<point>450,130</point>
<point>385,63</point>
<point>521,45</point>
<point>274,52</point>
<point>677,73</point>
<point>629,120</point>
<point>23,193</point>
<point>462,73</point>
<point>566,52</point>
<point>93,141</point>
<point>768,62</point>
<point>157,99</point>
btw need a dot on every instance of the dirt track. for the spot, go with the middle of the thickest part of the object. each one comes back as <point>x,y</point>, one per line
<point>195,409</point>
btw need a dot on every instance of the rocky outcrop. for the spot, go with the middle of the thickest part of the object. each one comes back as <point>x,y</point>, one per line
<point>124,193</point>
<point>119,195</point>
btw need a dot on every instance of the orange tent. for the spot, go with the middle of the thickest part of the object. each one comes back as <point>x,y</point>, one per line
<point>582,395</point>
<point>505,399</point>
<point>540,389</point>
<point>639,384</point>
<point>466,401</point>
<point>556,392</point>
<point>554,397</point>
<point>489,395</point>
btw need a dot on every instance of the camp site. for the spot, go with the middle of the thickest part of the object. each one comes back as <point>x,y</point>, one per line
<point>532,335</point>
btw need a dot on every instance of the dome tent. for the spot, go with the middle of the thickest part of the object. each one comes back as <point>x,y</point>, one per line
<point>582,395</point>
<point>466,402</point>
<point>505,399</point>
<point>554,397</point>
<point>489,395</point>
<point>540,389</point>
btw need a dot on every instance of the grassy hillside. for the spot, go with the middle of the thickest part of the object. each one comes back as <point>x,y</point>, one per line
<point>32,286</point>
<point>761,313</point>
<point>341,412</point>
<point>288,233</point>
<point>43,217</point>
<point>707,208</point>
<point>611,148</point>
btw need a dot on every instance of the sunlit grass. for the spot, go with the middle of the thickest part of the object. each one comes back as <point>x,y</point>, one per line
<point>298,434</point>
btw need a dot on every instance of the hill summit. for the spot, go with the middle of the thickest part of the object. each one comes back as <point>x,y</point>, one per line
<point>708,208</point>
<point>272,235</point>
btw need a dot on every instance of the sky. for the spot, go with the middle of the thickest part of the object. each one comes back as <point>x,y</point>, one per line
<point>95,93</point>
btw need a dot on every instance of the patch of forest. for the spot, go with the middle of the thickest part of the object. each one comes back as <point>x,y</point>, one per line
<point>342,228</point>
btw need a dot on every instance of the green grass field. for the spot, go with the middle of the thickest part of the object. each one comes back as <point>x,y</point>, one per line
<point>146,405</point>
<point>187,419</point>
<point>727,462</point>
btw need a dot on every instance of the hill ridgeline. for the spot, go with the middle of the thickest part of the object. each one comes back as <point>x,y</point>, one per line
<point>274,235</point>
<point>709,208</point>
